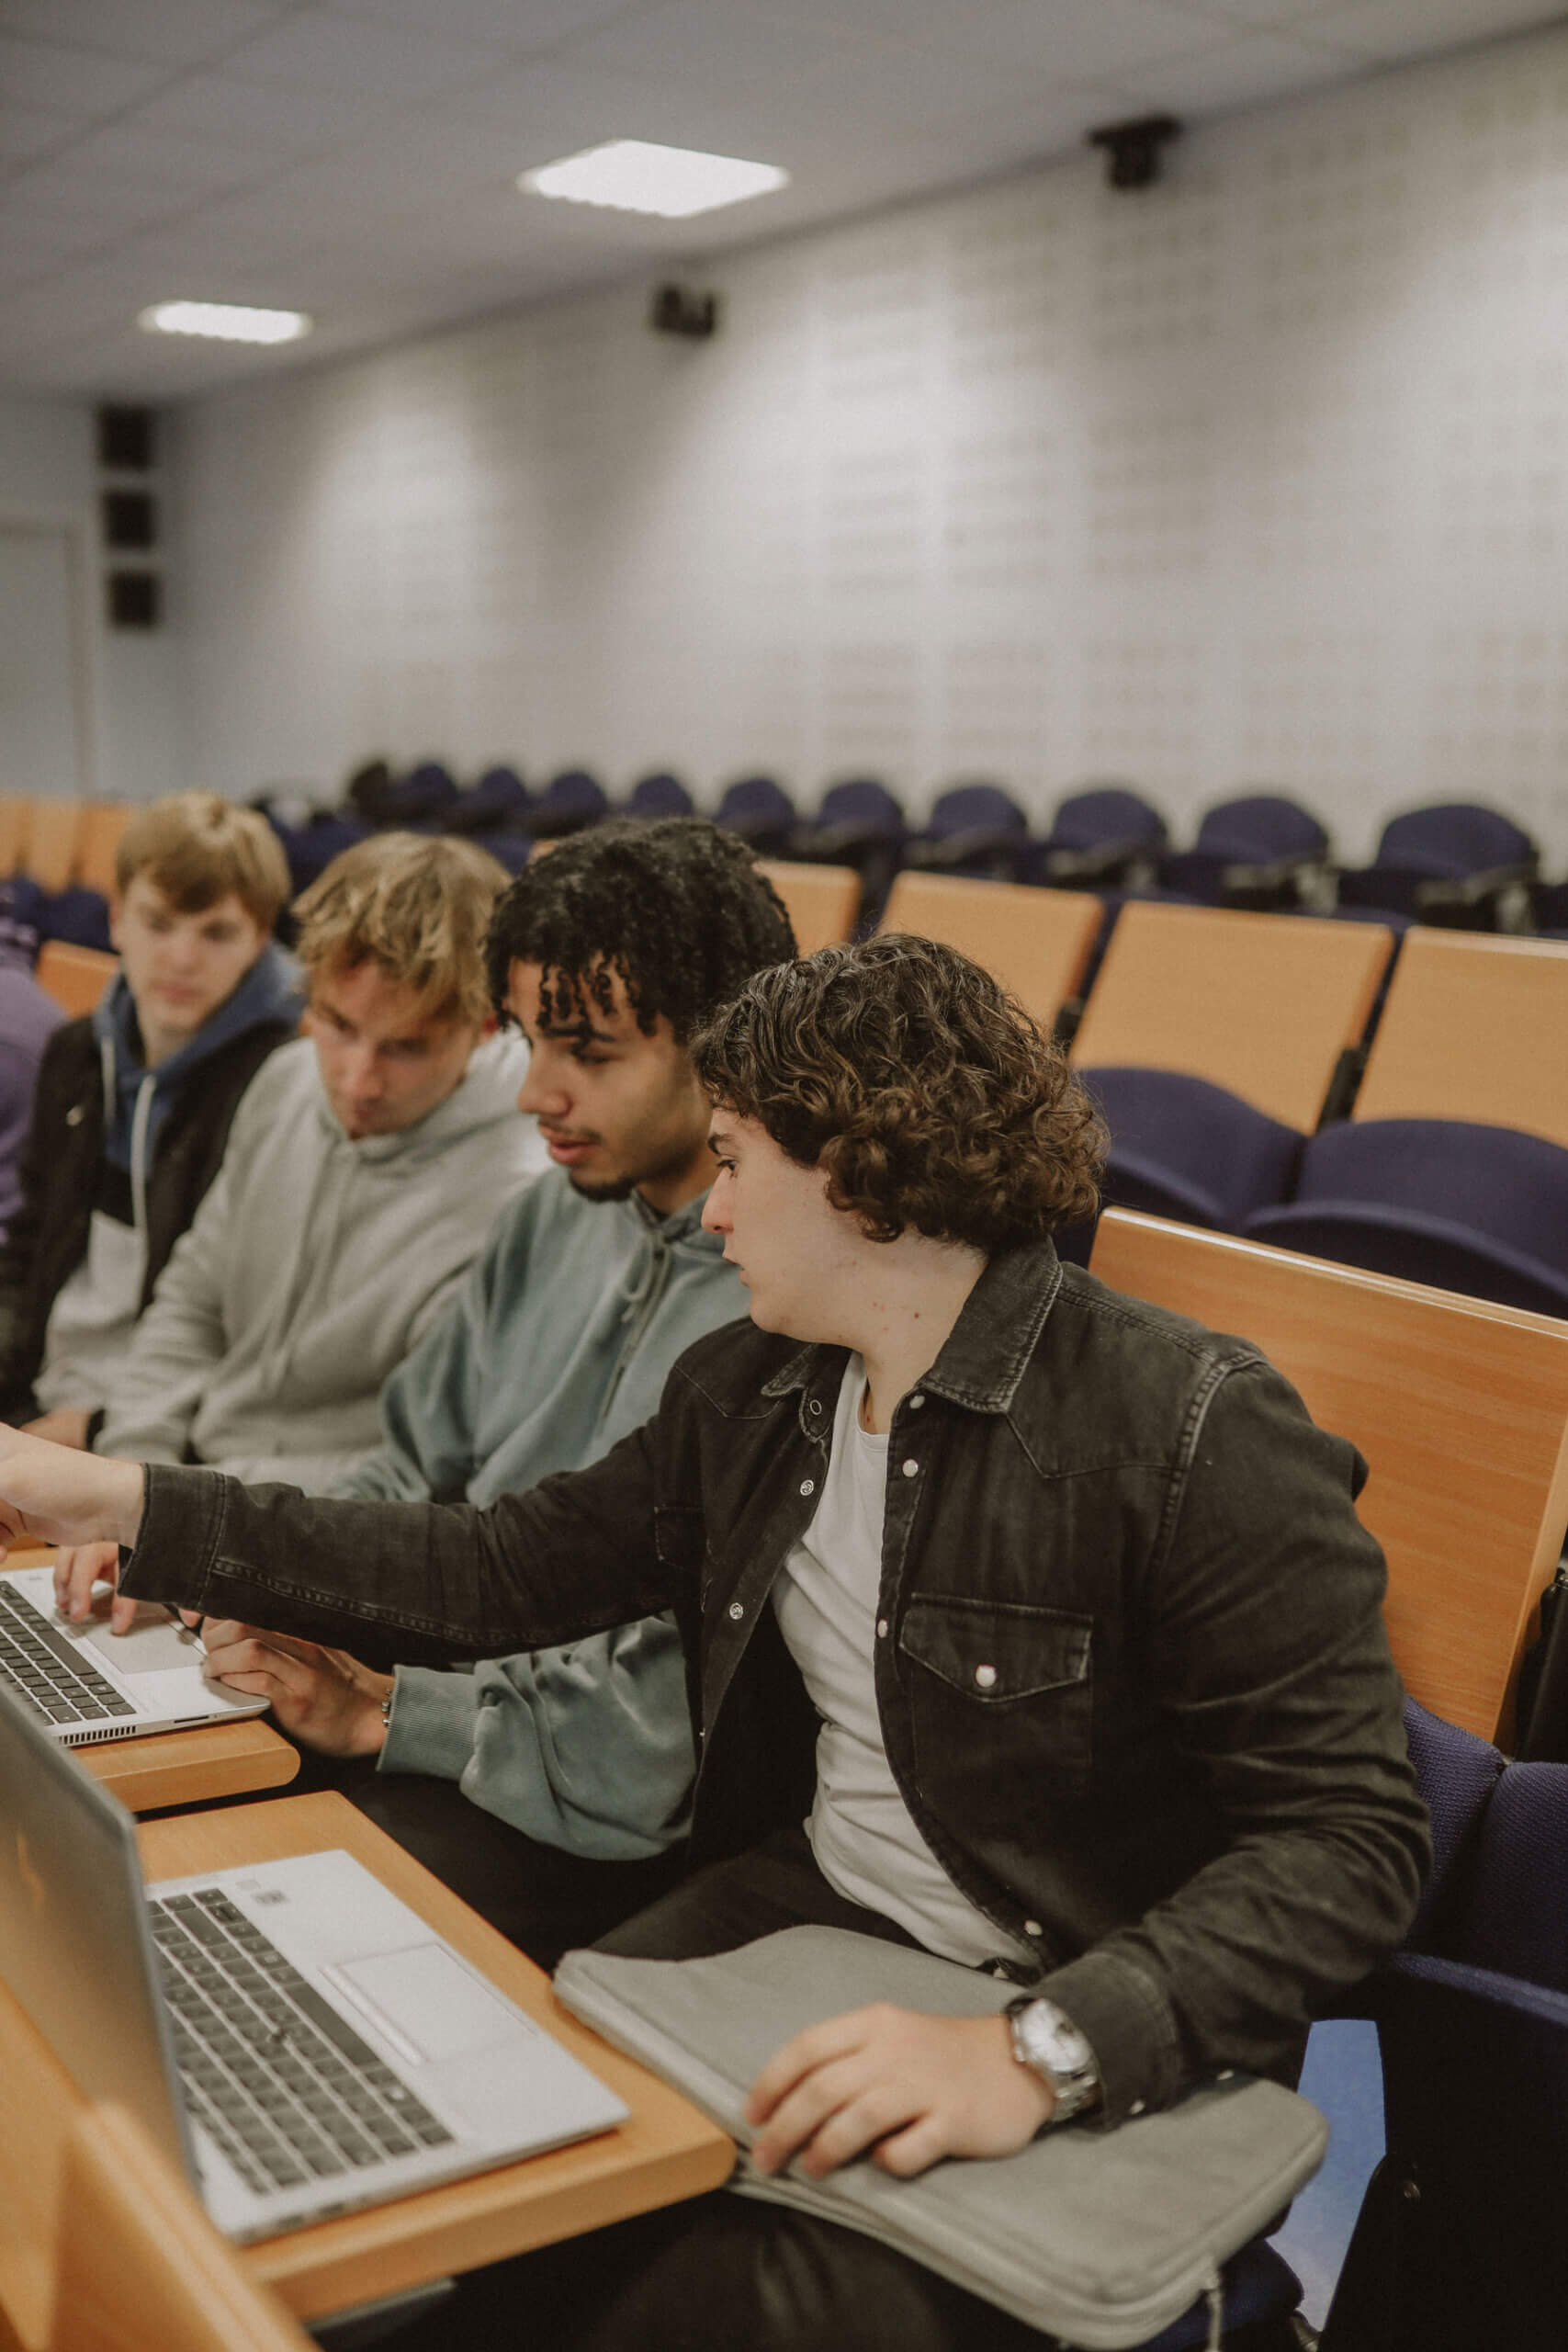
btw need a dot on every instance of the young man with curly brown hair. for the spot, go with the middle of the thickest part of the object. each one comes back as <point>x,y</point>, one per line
<point>1028,1624</point>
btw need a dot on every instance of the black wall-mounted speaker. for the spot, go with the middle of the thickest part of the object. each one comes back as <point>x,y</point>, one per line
<point>130,518</point>
<point>128,439</point>
<point>135,599</point>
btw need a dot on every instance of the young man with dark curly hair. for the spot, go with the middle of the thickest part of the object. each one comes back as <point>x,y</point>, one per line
<point>551,1788</point>
<point>1045,1612</point>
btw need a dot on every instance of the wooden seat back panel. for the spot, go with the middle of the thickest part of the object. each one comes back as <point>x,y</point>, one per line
<point>823,902</point>
<point>1036,943</point>
<point>1263,1005</point>
<point>1459,1408</point>
<point>1474,1028</point>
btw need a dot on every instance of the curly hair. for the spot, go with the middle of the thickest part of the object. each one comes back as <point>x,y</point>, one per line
<point>927,1093</point>
<point>677,908</point>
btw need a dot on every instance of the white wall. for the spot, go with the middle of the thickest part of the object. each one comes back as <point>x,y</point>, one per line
<point>134,747</point>
<point>1261,475</point>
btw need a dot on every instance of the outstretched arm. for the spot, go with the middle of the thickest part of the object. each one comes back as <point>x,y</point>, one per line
<point>52,1494</point>
<point>418,1583</point>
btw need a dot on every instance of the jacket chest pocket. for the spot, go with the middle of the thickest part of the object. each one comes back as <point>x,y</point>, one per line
<point>1001,1705</point>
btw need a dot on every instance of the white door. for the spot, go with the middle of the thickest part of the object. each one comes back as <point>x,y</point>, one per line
<point>41,693</point>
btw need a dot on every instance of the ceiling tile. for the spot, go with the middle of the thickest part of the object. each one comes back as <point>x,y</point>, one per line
<point>1084,40</point>
<point>711,44</point>
<point>303,121</point>
<point>1248,70</point>
<point>322,50</point>
<point>28,130</point>
<point>1391,28</point>
<point>77,81</point>
<point>521,25</point>
<point>173,32</point>
<point>126,151</point>
<point>58,189</point>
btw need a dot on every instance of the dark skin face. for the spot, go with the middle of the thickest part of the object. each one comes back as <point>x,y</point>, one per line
<point>619,1109</point>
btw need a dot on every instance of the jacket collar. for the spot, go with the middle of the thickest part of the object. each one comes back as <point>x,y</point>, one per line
<point>984,1358</point>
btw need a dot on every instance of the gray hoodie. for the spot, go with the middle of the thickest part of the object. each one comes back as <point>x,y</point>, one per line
<point>313,1266</point>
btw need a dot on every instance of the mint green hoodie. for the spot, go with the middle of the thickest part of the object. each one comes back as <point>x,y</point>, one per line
<point>557,1346</point>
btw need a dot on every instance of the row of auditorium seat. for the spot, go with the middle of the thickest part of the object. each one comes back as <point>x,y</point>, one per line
<point>1455,863</point>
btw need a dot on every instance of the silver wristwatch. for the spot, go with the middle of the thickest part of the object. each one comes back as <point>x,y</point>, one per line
<point>1045,2040</point>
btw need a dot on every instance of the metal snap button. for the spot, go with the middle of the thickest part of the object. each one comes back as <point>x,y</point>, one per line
<point>916,1401</point>
<point>1136,2107</point>
<point>808,1485</point>
<point>882,1629</point>
<point>912,1469</point>
<point>986,1676</point>
<point>1032,1927</point>
<point>737,1610</point>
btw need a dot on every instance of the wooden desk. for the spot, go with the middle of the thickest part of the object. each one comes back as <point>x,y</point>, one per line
<point>193,1767</point>
<point>665,2152</point>
<point>182,1767</point>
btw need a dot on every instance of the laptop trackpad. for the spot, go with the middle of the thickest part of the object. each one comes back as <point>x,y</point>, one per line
<point>432,2001</point>
<point>154,1644</point>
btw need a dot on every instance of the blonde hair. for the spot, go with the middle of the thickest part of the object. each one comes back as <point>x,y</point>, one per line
<point>418,907</point>
<point>196,847</point>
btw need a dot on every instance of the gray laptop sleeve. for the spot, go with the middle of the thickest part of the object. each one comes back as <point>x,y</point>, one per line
<point>1100,2238</point>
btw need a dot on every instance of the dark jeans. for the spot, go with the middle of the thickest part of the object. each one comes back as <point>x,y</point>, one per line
<point>721,2273</point>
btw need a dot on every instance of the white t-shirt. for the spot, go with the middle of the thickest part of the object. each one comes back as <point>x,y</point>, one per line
<point>863,1833</point>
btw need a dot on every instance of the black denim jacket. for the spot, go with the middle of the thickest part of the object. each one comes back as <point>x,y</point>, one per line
<point>1131,1666</point>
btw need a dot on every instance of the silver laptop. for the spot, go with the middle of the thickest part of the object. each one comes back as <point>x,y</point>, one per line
<point>90,1684</point>
<point>292,2035</point>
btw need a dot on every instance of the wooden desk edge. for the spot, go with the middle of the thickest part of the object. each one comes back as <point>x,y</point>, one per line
<point>192,1767</point>
<point>667,2151</point>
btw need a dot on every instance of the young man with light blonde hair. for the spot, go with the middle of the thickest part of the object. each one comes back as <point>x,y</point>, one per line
<point>133,1102</point>
<point>363,1170</point>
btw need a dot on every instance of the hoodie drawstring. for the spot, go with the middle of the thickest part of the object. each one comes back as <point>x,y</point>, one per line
<point>139,1125</point>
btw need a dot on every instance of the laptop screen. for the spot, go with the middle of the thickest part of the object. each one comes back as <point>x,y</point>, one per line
<point>75,1945</point>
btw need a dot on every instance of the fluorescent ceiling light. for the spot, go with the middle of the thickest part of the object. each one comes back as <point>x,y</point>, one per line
<point>633,175</point>
<point>229,321</point>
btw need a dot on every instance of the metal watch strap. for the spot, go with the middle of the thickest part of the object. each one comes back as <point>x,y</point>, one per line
<point>1045,2040</point>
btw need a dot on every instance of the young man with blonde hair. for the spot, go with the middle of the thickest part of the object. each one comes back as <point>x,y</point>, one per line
<point>363,1169</point>
<point>133,1102</point>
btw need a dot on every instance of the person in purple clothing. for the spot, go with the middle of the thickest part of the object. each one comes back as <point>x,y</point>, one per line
<point>28,1018</point>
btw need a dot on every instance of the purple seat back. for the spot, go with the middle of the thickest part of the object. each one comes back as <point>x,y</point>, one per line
<point>1108,817</point>
<point>759,810</point>
<point>1516,1918</point>
<point>864,805</point>
<point>975,808</point>
<point>1259,829</point>
<point>1181,1148</point>
<point>659,796</point>
<point>1453,838</point>
<point>569,802</point>
<point>1493,1182</point>
<point>1457,1773</point>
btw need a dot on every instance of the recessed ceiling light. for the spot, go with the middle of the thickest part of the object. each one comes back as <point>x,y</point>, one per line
<point>230,321</point>
<point>633,175</point>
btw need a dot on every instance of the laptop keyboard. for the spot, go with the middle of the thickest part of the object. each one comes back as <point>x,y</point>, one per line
<point>284,2086</point>
<point>46,1668</point>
